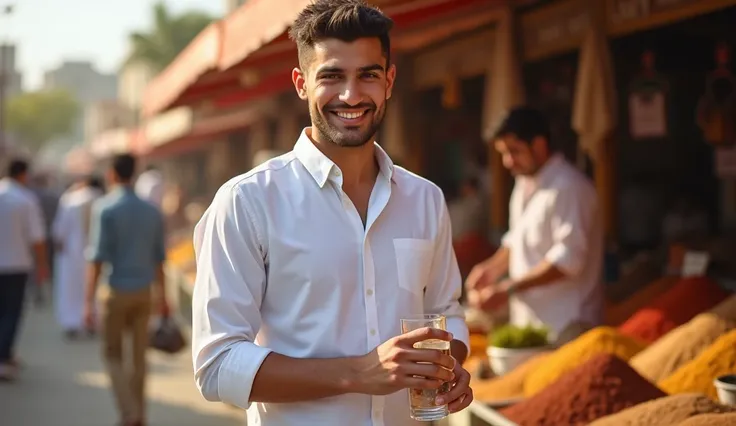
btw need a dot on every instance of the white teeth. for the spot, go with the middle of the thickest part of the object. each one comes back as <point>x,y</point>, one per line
<point>350,115</point>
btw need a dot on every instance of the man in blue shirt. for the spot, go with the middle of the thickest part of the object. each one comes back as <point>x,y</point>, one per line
<point>127,251</point>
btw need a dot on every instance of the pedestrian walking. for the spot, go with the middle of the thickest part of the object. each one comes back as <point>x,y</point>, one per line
<point>127,237</point>
<point>22,251</point>
<point>307,263</point>
<point>71,235</point>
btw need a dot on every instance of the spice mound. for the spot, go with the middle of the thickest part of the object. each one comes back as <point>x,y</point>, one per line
<point>669,410</point>
<point>510,385</point>
<point>604,385</point>
<point>600,340</point>
<point>679,305</point>
<point>680,346</point>
<point>697,375</point>
<point>711,420</point>
<point>621,311</point>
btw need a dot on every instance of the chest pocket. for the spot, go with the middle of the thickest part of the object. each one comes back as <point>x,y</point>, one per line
<point>413,263</point>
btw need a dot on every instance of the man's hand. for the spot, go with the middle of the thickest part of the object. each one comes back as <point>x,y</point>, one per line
<point>483,275</point>
<point>489,298</point>
<point>163,309</point>
<point>460,394</point>
<point>89,316</point>
<point>42,275</point>
<point>395,365</point>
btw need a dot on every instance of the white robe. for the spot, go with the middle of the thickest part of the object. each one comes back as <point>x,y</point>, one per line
<point>70,230</point>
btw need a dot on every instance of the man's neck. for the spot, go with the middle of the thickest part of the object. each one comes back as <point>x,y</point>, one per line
<point>358,164</point>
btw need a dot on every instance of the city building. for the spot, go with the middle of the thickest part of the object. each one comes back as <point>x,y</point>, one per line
<point>13,80</point>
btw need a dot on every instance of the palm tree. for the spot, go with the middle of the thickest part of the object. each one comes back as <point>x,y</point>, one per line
<point>158,47</point>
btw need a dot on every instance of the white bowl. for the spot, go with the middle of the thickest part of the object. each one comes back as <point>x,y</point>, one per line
<point>503,360</point>
<point>726,387</point>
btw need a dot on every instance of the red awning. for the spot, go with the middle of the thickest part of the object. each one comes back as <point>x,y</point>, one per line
<point>253,37</point>
<point>254,25</point>
<point>204,130</point>
<point>199,57</point>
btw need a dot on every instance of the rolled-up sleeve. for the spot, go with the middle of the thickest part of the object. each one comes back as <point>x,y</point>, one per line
<point>573,216</point>
<point>228,293</point>
<point>444,288</point>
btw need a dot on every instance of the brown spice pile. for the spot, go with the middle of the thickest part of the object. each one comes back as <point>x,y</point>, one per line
<point>711,420</point>
<point>680,346</point>
<point>602,386</point>
<point>698,375</point>
<point>510,385</point>
<point>600,340</point>
<point>669,410</point>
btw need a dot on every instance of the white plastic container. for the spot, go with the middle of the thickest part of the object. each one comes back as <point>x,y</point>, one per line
<point>726,387</point>
<point>503,360</point>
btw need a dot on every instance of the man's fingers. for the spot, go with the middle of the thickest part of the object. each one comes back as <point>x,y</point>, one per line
<point>458,390</point>
<point>430,371</point>
<point>461,403</point>
<point>425,333</point>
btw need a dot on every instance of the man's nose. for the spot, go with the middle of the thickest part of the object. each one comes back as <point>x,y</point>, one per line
<point>351,93</point>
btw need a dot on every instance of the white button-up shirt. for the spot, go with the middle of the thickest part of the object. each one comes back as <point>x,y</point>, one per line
<point>554,217</point>
<point>21,226</point>
<point>285,264</point>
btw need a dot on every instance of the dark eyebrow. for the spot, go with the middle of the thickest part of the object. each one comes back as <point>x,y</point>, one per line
<point>373,67</point>
<point>338,70</point>
<point>330,70</point>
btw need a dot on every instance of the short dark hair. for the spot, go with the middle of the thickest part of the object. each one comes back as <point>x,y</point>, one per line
<point>525,123</point>
<point>17,168</point>
<point>94,182</point>
<point>346,20</point>
<point>124,166</point>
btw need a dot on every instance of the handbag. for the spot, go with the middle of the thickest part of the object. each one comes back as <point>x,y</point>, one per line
<point>166,336</point>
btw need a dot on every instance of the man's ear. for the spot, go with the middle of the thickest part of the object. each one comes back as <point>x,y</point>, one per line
<point>390,78</point>
<point>300,83</point>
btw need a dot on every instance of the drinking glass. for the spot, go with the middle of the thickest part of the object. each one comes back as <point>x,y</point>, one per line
<point>422,401</point>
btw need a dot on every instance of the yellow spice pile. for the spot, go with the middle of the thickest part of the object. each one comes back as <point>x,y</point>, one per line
<point>680,346</point>
<point>697,375</point>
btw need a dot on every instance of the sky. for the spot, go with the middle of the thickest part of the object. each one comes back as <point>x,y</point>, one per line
<point>47,32</point>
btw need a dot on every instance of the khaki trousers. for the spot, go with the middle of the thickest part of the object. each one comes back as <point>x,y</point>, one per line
<point>126,314</point>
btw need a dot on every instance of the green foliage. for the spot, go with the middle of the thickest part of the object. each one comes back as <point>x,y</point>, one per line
<point>39,117</point>
<point>513,337</point>
<point>158,47</point>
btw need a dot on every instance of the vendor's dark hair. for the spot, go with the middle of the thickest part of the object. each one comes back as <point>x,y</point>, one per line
<point>346,20</point>
<point>525,123</point>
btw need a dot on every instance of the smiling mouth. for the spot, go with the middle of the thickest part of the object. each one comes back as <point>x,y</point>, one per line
<point>350,116</point>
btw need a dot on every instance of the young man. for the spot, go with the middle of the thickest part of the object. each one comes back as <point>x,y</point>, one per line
<point>126,236</point>
<point>22,236</point>
<point>306,264</point>
<point>71,234</point>
<point>554,248</point>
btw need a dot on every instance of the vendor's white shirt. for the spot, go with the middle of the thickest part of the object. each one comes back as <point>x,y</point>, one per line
<point>554,216</point>
<point>285,264</point>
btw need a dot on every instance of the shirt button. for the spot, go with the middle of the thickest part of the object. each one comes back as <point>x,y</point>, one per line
<point>373,331</point>
<point>369,292</point>
<point>336,172</point>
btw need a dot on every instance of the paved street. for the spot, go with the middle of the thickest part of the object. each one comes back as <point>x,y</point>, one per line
<point>63,384</point>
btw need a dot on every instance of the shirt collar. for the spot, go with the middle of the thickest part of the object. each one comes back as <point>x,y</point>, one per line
<point>322,168</point>
<point>548,170</point>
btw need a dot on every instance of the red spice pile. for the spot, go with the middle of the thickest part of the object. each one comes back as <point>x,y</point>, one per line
<point>688,298</point>
<point>602,386</point>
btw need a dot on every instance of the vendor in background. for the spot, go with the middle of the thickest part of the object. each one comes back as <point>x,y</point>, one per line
<point>548,268</point>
